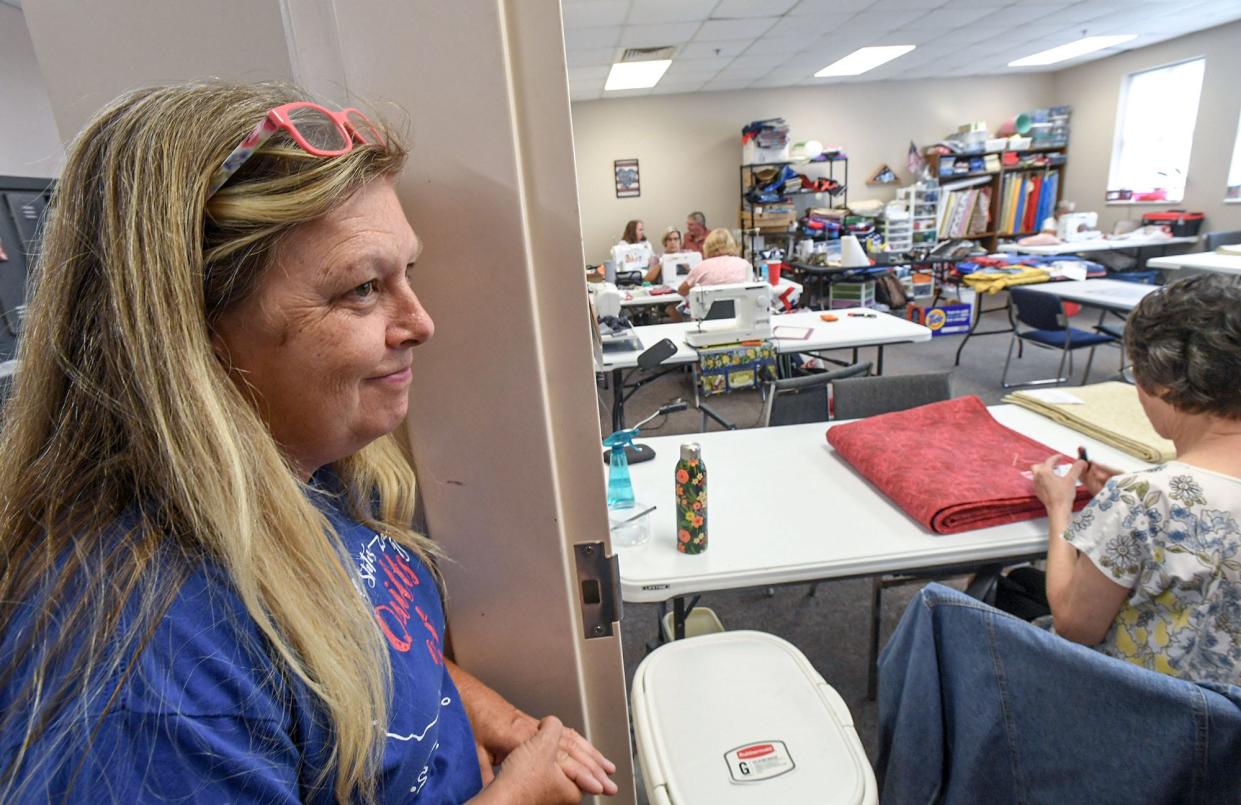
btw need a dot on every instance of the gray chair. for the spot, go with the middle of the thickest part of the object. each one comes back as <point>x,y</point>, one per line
<point>1212,240</point>
<point>869,396</point>
<point>798,400</point>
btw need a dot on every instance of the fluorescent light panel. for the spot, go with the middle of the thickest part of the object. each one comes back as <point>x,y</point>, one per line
<point>1072,50</point>
<point>864,59</point>
<point>636,74</point>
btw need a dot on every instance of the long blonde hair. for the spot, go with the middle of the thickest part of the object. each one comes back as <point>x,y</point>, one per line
<point>121,413</point>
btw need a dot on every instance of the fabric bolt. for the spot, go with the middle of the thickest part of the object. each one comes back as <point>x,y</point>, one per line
<point>979,706</point>
<point>949,465</point>
<point>993,281</point>
<point>1170,533</point>
<point>720,271</point>
<point>1109,412</point>
<point>209,717</point>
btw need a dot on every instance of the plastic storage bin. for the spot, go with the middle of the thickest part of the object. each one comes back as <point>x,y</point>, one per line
<point>742,718</point>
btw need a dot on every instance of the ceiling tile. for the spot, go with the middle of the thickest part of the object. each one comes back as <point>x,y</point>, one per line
<point>1026,12</point>
<point>589,58</point>
<point>815,7</point>
<point>589,74</point>
<point>717,30</point>
<point>881,21</point>
<point>697,66</point>
<point>733,9</point>
<point>583,38</point>
<point>817,24</point>
<point>595,13</point>
<point>653,36</point>
<point>754,66</point>
<point>959,4</point>
<point>944,20</point>
<point>646,12</point>
<point>905,5</point>
<point>787,44</point>
<point>708,50</point>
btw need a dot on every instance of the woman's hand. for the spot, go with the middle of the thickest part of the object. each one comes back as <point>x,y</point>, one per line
<point>580,761</point>
<point>1057,492</point>
<point>1096,475</point>
<point>533,774</point>
<point>500,728</point>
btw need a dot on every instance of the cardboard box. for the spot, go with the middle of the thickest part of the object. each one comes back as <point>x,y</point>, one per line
<point>949,317</point>
<point>771,216</point>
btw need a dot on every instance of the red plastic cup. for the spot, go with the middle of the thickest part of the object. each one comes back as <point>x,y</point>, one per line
<point>773,273</point>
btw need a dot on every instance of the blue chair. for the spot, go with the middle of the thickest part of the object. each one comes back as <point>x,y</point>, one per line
<point>1044,314</point>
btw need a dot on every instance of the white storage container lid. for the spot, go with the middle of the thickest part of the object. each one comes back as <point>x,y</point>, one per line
<point>742,717</point>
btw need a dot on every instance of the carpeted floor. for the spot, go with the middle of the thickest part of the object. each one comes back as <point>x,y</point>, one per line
<point>832,627</point>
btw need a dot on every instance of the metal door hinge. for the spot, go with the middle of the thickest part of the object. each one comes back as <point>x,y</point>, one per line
<point>598,587</point>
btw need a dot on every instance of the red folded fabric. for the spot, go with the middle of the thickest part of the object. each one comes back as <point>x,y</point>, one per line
<point>949,465</point>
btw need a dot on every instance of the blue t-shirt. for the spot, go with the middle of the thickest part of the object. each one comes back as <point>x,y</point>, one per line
<point>208,717</point>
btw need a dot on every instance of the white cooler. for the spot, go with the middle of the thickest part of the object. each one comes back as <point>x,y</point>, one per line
<point>742,717</point>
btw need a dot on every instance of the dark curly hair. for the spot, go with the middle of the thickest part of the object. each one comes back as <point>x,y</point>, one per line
<point>1185,343</point>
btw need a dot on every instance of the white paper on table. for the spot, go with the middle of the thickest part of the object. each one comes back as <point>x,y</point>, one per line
<point>1054,397</point>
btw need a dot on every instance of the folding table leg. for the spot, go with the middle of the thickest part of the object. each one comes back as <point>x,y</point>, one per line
<point>872,657</point>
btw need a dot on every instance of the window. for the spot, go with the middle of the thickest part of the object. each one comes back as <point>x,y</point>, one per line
<point>1154,132</point>
<point>1233,193</point>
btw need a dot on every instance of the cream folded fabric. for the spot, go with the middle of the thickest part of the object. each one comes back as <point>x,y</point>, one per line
<point>1110,412</point>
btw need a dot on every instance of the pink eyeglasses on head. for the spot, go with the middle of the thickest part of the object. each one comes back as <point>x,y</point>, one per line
<point>318,131</point>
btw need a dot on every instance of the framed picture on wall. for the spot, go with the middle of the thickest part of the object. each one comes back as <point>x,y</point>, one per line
<point>627,178</point>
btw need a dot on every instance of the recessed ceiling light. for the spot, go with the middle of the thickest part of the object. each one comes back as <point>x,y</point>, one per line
<point>1087,44</point>
<point>636,74</point>
<point>863,59</point>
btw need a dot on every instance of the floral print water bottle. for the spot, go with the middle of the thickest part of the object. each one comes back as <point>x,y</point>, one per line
<point>691,489</point>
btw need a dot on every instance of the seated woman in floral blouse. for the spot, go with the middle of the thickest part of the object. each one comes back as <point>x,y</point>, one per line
<point>1150,570</point>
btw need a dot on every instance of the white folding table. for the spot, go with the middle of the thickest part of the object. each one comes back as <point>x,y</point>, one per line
<point>783,507</point>
<point>1096,245</point>
<point>1101,293</point>
<point>871,329</point>
<point>1202,261</point>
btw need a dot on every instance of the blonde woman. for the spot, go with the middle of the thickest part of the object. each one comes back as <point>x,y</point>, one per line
<point>211,590</point>
<point>720,266</point>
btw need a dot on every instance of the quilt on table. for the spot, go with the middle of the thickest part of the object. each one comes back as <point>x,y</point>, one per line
<point>949,465</point>
<point>1109,412</point>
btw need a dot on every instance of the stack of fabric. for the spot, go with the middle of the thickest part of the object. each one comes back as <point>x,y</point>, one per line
<point>994,280</point>
<point>1109,412</point>
<point>949,465</point>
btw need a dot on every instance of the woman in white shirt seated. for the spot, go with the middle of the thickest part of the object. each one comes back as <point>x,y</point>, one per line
<point>721,266</point>
<point>1150,570</point>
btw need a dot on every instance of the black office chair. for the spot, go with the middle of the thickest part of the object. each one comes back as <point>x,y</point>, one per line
<point>798,400</point>
<point>1213,240</point>
<point>1044,314</point>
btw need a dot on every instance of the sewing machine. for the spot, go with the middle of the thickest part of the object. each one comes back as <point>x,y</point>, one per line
<point>632,261</point>
<point>606,298</point>
<point>675,267</point>
<point>1076,226</point>
<point>751,319</point>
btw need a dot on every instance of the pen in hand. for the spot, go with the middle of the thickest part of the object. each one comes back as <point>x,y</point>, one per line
<point>1081,453</point>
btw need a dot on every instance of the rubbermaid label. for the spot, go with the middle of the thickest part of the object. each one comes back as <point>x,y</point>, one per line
<point>761,760</point>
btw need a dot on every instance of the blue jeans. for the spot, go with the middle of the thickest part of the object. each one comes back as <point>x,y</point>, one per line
<point>978,706</point>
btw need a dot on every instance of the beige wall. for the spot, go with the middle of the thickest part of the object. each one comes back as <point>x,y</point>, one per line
<point>29,142</point>
<point>1094,91</point>
<point>688,146</point>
